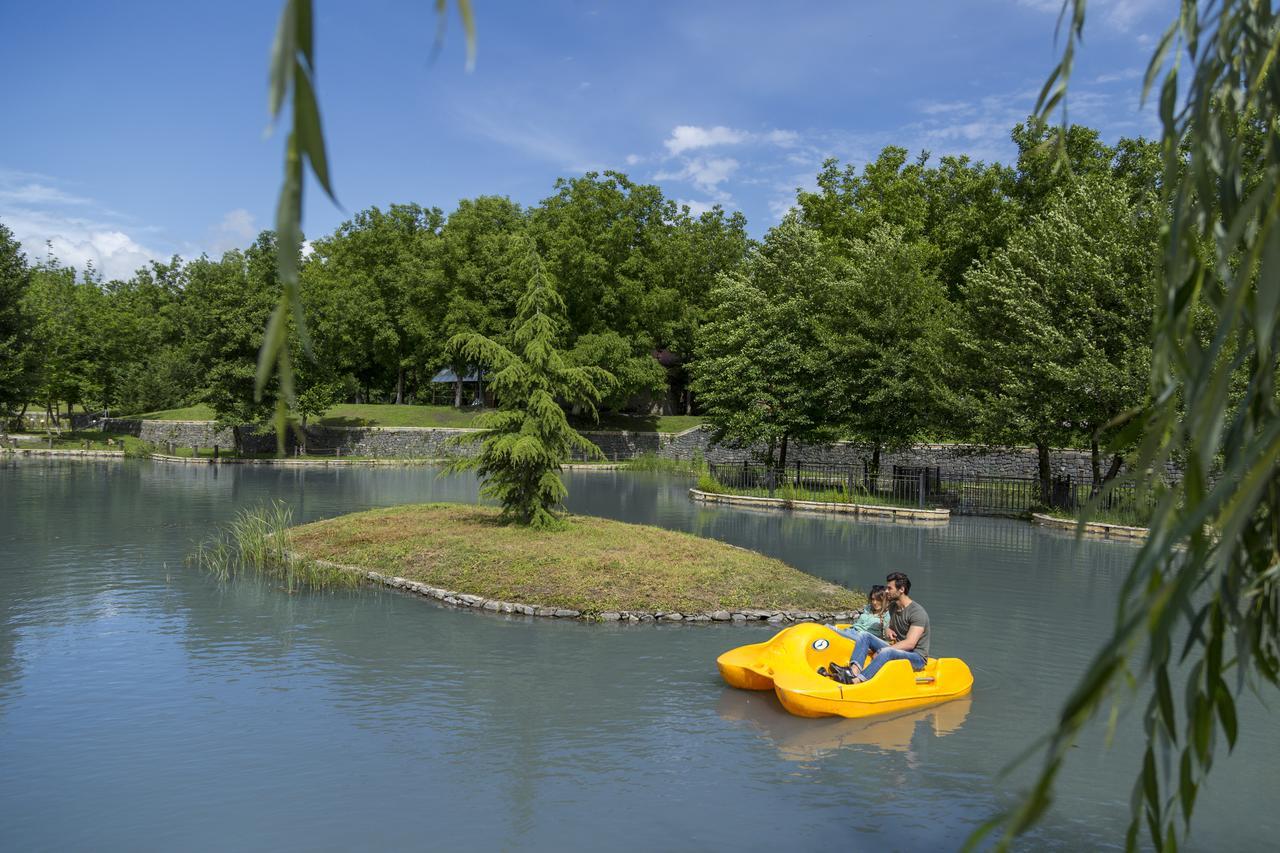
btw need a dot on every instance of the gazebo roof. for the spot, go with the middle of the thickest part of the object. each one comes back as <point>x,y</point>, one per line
<point>449,376</point>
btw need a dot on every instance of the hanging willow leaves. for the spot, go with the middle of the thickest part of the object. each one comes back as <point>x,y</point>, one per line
<point>1209,574</point>
<point>292,72</point>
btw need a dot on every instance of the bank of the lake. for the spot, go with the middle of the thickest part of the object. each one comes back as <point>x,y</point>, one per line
<point>591,567</point>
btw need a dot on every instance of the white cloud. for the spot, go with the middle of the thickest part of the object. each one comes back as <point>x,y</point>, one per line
<point>1118,15</point>
<point>1042,5</point>
<point>236,230</point>
<point>686,137</point>
<point>1123,14</point>
<point>37,193</point>
<point>704,173</point>
<point>76,242</point>
<point>690,137</point>
<point>634,159</point>
<point>77,230</point>
<point>782,138</point>
<point>696,208</point>
<point>1118,76</point>
<point>781,206</point>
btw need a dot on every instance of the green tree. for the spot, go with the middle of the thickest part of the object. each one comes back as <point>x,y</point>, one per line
<point>970,214</point>
<point>603,236</point>
<point>694,252</point>
<point>62,335</point>
<point>15,327</point>
<point>1049,158</point>
<point>365,278</point>
<point>525,442</point>
<point>849,204</point>
<point>152,369</point>
<point>1058,321</point>
<point>230,301</point>
<point>886,319</point>
<point>761,372</point>
<point>472,282</point>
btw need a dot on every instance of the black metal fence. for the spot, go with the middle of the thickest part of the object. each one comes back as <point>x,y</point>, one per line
<point>962,493</point>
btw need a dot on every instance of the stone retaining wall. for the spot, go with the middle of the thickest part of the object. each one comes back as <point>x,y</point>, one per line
<point>417,442</point>
<point>898,514</point>
<point>1091,528</point>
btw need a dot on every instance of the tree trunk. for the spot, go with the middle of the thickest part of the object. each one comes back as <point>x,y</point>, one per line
<point>873,475</point>
<point>1095,464</point>
<point>400,387</point>
<point>688,402</point>
<point>1046,476</point>
<point>457,390</point>
<point>237,440</point>
<point>768,466</point>
<point>1113,470</point>
<point>782,455</point>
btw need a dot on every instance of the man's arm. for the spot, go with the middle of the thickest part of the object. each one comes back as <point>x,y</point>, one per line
<point>908,643</point>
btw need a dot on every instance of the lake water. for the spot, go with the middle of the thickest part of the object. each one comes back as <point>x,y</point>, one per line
<point>145,707</point>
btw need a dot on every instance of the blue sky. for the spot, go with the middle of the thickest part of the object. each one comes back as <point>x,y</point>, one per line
<point>136,130</point>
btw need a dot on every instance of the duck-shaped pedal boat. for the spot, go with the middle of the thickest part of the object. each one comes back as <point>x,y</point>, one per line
<point>788,665</point>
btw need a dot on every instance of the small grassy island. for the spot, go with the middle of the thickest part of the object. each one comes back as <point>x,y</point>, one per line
<point>592,565</point>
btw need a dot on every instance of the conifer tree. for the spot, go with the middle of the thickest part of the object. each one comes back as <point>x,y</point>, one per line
<point>524,443</point>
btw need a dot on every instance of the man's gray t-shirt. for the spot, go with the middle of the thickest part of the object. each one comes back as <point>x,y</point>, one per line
<point>901,620</point>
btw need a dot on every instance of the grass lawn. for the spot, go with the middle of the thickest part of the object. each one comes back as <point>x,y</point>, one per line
<point>386,415</point>
<point>593,565</point>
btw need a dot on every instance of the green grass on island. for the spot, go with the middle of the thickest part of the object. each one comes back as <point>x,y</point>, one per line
<point>593,565</point>
<point>388,415</point>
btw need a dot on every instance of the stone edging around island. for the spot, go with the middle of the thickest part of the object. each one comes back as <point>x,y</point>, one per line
<point>1091,528</point>
<point>895,513</point>
<point>478,602</point>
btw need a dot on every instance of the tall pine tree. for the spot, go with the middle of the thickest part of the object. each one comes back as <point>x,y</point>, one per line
<point>525,442</point>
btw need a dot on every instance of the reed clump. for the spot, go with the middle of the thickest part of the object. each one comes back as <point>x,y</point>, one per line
<point>650,461</point>
<point>256,544</point>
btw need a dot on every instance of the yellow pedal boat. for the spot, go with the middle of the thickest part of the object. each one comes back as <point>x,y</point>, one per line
<point>788,665</point>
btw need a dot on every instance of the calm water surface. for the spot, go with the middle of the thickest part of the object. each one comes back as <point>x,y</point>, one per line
<point>145,707</point>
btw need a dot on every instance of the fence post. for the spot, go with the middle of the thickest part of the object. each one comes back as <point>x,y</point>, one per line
<point>922,477</point>
<point>215,453</point>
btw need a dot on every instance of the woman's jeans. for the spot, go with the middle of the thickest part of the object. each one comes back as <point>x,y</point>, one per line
<point>884,654</point>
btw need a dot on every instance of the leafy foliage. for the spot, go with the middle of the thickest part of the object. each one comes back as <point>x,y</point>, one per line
<point>15,343</point>
<point>760,364</point>
<point>230,300</point>
<point>1058,320</point>
<point>886,321</point>
<point>524,443</point>
<point>1204,592</point>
